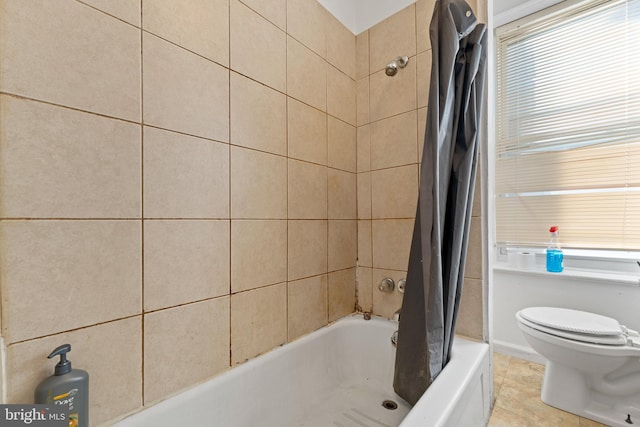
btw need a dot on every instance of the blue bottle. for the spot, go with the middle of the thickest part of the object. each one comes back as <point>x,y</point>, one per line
<point>554,253</point>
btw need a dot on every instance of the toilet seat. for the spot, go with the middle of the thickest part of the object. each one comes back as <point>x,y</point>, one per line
<point>574,325</point>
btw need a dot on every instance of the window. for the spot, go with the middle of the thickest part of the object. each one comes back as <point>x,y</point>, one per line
<point>568,127</point>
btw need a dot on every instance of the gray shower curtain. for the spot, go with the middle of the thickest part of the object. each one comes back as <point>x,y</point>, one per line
<point>439,245</point>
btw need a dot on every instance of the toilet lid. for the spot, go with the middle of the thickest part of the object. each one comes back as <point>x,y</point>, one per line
<point>574,321</point>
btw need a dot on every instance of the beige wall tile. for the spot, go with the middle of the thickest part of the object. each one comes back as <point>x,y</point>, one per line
<point>393,37</point>
<point>470,319</point>
<point>364,243</point>
<point>364,195</point>
<point>363,135</point>
<point>62,163</point>
<point>258,48</point>
<point>308,307</point>
<point>391,243</point>
<point>307,191</point>
<point>306,74</point>
<point>184,177</point>
<point>101,350</point>
<point>258,116</point>
<point>422,127</point>
<point>184,346</point>
<point>423,76</point>
<point>364,289</point>
<point>343,244</point>
<point>341,95</point>
<point>424,12</point>
<point>183,91</point>
<point>362,101</point>
<point>70,54</point>
<point>386,304</point>
<point>480,9</point>
<point>393,95</point>
<point>307,249</point>
<point>274,10</point>
<point>258,254</point>
<point>342,195</point>
<point>184,261</point>
<point>258,321</point>
<point>258,185</point>
<point>198,25</point>
<point>342,145</point>
<point>477,192</point>
<point>473,267</point>
<point>362,55</point>
<point>341,46</point>
<point>342,293</point>
<point>307,132</point>
<point>394,192</point>
<point>307,22</point>
<point>127,10</point>
<point>394,141</point>
<point>54,264</point>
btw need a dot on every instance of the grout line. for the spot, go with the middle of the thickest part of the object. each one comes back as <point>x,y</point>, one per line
<point>142,196</point>
<point>125,120</point>
<point>370,208</point>
<point>206,219</point>
<point>183,304</point>
<point>67,107</point>
<point>415,24</point>
<point>205,138</point>
<point>229,199</point>
<point>328,189</point>
<point>128,219</point>
<point>265,18</point>
<point>185,48</point>
<point>113,16</point>
<point>67,331</point>
<point>286,87</point>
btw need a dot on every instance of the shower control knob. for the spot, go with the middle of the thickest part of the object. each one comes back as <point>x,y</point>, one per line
<point>401,285</point>
<point>386,285</point>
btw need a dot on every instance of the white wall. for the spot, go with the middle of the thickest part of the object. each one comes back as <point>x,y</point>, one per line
<point>505,11</point>
<point>500,6</point>
<point>360,15</point>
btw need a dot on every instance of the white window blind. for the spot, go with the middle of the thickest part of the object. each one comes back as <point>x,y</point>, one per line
<point>568,127</point>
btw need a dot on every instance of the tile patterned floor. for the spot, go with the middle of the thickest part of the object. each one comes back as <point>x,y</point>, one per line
<point>517,385</point>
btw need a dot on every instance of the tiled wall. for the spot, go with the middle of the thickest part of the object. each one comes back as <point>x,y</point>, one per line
<point>391,118</point>
<point>178,187</point>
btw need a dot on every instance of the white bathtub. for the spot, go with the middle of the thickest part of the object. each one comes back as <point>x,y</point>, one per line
<point>337,376</point>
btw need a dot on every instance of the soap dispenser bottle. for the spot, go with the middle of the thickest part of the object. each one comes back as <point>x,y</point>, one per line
<point>66,387</point>
<point>555,257</point>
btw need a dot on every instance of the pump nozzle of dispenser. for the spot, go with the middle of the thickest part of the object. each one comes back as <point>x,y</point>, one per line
<point>63,366</point>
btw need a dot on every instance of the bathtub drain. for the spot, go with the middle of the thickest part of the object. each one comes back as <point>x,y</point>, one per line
<point>390,405</point>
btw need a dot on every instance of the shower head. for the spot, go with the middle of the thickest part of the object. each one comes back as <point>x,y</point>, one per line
<point>392,67</point>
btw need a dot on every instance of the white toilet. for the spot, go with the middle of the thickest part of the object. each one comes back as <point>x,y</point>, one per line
<point>593,363</point>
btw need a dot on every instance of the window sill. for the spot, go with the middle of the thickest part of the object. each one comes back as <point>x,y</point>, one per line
<point>577,273</point>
